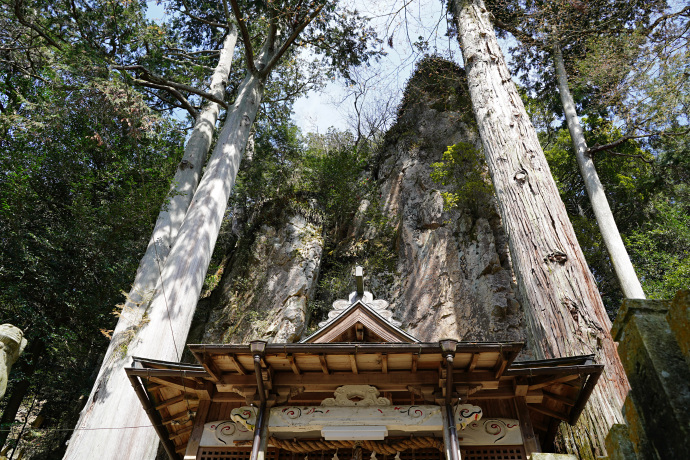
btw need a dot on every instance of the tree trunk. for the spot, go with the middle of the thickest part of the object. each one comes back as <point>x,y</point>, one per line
<point>625,272</point>
<point>104,402</point>
<point>564,311</point>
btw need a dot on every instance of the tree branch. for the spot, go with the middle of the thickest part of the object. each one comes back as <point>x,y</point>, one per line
<point>227,12</point>
<point>245,36</point>
<point>290,40</point>
<point>153,78</point>
<point>518,34</point>
<point>22,20</point>
<point>638,156</point>
<point>185,103</point>
<point>598,148</point>
<point>665,17</point>
<point>200,19</point>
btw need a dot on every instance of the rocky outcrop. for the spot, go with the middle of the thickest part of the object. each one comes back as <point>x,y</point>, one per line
<point>453,276</point>
<point>267,282</point>
<point>446,272</point>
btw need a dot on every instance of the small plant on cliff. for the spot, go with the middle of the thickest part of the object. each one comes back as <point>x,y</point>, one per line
<point>462,170</point>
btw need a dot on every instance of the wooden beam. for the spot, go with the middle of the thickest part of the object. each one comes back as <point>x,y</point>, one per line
<point>384,363</point>
<point>324,364</point>
<point>549,412</point>
<point>181,433</point>
<point>146,373</point>
<point>153,416</point>
<point>186,386</point>
<point>211,368</point>
<point>500,366</point>
<point>559,398</point>
<point>237,365</point>
<point>548,380</point>
<point>293,365</point>
<point>521,387</point>
<point>359,330</point>
<point>556,370</point>
<point>227,397</point>
<point>360,348</point>
<point>171,418</point>
<point>528,437</point>
<point>586,392</point>
<point>171,401</point>
<point>415,359</point>
<point>207,390</point>
<point>532,397</point>
<point>473,362</point>
<point>353,364</point>
<point>391,381</point>
<point>317,381</point>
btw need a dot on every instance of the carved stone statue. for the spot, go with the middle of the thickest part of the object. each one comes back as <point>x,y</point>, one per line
<point>12,343</point>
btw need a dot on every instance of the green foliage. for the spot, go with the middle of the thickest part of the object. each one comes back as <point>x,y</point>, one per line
<point>462,169</point>
<point>661,245</point>
<point>649,202</point>
<point>85,173</point>
<point>441,80</point>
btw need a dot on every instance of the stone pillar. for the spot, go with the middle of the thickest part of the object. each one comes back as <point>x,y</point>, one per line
<point>654,345</point>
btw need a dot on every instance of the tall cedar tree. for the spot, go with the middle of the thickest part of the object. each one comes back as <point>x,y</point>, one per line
<point>277,28</point>
<point>565,313</point>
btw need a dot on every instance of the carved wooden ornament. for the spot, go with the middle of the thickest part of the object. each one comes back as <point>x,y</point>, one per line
<point>356,395</point>
<point>302,419</point>
<point>491,431</point>
<point>246,415</point>
<point>467,413</point>
<point>224,433</point>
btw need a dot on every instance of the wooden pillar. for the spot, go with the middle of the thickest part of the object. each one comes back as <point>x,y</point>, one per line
<point>528,438</point>
<point>198,430</point>
<point>451,445</point>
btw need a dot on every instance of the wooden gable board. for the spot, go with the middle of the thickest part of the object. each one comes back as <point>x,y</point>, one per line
<point>360,313</point>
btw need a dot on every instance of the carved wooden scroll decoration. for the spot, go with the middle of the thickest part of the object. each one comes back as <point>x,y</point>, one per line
<point>356,395</point>
<point>245,415</point>
<point>491,431</point>
<point>224,433</point>
<point>467,413</point>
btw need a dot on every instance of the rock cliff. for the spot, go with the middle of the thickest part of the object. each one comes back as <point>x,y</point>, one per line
<point>446,271</point>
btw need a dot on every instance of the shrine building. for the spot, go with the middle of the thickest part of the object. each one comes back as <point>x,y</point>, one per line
<point>361,387</point>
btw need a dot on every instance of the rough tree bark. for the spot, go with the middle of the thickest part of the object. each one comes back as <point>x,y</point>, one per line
<point>630,284</point>
<point>564,311</point>
<point>111,382</point>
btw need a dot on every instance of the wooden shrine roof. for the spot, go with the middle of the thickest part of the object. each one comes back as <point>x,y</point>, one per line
<point>359,323</point>
<point>306,373</point>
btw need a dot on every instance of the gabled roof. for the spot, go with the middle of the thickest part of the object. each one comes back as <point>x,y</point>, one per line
<point>359,323</point>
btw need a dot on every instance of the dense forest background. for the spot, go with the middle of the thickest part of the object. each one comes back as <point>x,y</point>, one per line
<point>97,101</point>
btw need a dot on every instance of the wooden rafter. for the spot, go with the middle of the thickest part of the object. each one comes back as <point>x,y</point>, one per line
<point>237,365</point>
<point>324,364</point>
<point>293,364</point>
<point>473,362</point>
<point>353,363</point>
